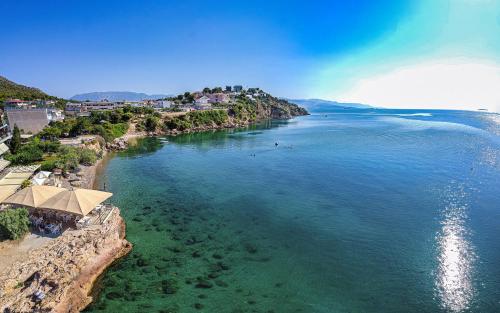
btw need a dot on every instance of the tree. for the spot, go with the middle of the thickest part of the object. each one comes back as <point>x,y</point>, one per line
<point>151,123</point>
<point>206,90</point>
<point>15,142</point>
<point>14,223</point>
<point>217,90</point>
<point>88,157</point>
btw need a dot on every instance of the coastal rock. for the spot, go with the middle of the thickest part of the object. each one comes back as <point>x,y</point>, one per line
<point>64,269</point>
<point>117,144</point>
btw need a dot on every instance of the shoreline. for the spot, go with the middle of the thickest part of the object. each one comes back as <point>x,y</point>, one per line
<point>88,252</point>
<point>67,267</point>
<point>64,269</point>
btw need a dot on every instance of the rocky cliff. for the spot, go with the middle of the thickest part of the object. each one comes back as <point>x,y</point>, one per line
<point>64,269</point>
<point>271,107</point>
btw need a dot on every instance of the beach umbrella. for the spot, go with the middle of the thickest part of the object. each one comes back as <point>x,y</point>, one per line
<point>33,196</point>
<point>76,201</point>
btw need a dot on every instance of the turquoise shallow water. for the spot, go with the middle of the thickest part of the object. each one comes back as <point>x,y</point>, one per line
<point>354,211</point>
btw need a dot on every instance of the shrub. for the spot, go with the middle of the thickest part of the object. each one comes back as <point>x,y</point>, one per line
<point>14,223</point>
<point>151,123</point>
<point>197,119</point>
<point>48,165</point>
<point>26,183</point>
<point>88,157</point>
<point>68,160</point>
<point>179,123</point>
<point>27,154</point>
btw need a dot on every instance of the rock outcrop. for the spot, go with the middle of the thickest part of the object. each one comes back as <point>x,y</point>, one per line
<point>64,270</point>
<point>117,144</point>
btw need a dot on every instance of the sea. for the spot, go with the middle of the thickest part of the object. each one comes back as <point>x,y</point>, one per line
<point>351,210</point>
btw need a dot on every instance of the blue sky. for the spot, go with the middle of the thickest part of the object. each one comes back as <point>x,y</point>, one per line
<point>346,50</point>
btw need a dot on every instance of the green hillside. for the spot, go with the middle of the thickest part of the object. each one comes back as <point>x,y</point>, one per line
<point>9,89</point>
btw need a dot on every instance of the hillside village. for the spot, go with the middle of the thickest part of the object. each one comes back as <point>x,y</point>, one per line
<point>66,136</point>
<point>31,116</point>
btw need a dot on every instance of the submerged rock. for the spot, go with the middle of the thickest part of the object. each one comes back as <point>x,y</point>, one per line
<point>203,283</point>
<point>169,286</point>
<point>250,248</point>
<point>196,254</point>
<point>113,295</point>
<point>198,306</point>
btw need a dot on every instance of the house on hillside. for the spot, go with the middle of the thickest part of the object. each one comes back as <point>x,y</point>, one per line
<point>162,104</point>
<point>218,98</point>
<point>17,103</point>
<point>202,100</point>
<point>55,114</point>
<point>202,103</point>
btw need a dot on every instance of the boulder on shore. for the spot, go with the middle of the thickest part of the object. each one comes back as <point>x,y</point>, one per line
<point>117,144</point>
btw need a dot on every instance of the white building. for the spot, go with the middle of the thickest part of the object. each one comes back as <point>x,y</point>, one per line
<point>162,104</point>
<point>219,98</point>
<point>202,100</point>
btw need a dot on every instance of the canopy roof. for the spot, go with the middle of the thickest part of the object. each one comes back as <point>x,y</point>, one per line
<point>33,196</point>
<point>77,201</point>
<point>11,182</point>
<point>7,190</point>
<point>3,148</point>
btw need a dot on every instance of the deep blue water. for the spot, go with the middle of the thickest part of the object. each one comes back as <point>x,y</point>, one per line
<point>353,211</point>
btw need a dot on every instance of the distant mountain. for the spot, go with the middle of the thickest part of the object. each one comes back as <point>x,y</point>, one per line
<point>11,90</point>
<point>116,96</point>
<point>319,105</point>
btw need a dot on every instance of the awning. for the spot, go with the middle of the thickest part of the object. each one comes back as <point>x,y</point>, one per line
<point>77,201</point>
<point>33,196</point>
<point>3,164</point>
<point>7,190</point>
<point>3,148</point>
<point>14,179</point>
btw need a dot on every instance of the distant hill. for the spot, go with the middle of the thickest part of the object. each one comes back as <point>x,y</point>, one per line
<point>319,105</point>
<point>11,90</point>
<point>116,96</point>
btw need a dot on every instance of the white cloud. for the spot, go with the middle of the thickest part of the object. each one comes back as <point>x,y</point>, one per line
<point>445,84</point>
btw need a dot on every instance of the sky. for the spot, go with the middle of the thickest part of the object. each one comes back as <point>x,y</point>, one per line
<point>399,53</point>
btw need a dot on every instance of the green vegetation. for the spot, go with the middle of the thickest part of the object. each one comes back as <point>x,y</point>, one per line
<point>50,154</point>
<point>107,124</point>
<point>14,223</point>
<point>27,154</point>
<point>9,90</point>
<point>15,142</point>
<point>244,109</point>
<point>151,123</point>
<point>197,119</point>
<point>26,183</point>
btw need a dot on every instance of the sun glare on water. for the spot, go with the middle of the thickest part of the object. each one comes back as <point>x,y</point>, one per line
<point>456,256</point>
